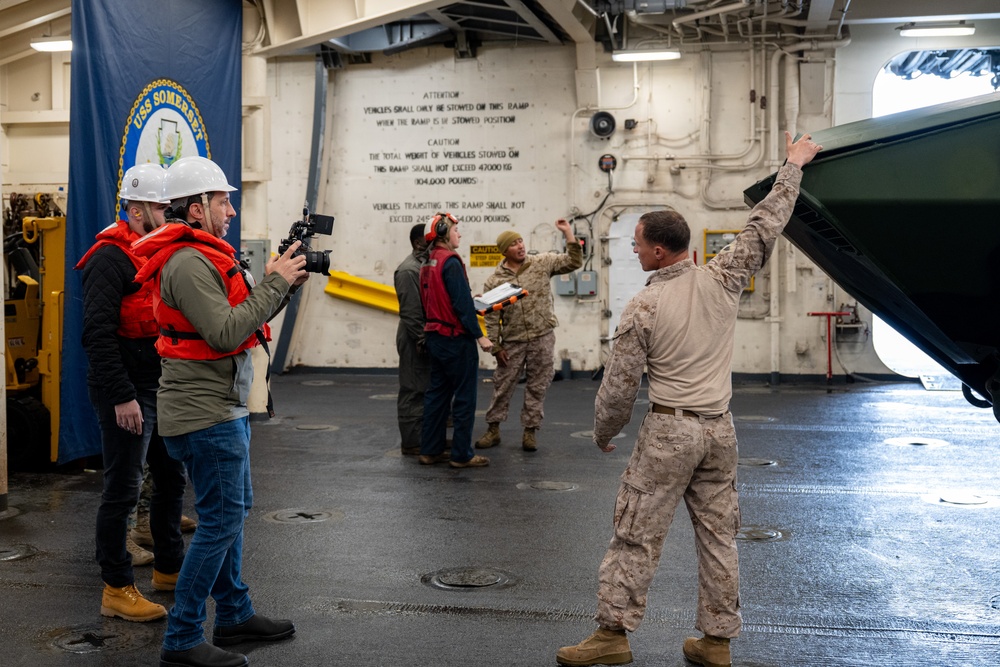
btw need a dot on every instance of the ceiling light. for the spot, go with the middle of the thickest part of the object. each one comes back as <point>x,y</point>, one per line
<point>959,29</point>
<point>51,44</point>
<point>640,55</point>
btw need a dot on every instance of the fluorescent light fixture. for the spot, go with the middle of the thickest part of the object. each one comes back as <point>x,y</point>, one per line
<point>640,55</point>
<point>959,29</point>
<point>52,44</point>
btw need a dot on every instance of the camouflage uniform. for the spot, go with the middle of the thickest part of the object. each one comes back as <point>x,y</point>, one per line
<point>525,330</point>
<point>414,362</point>
<point>681,327</point>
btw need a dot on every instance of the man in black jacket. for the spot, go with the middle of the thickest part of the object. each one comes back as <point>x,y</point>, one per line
<point>119,336</point>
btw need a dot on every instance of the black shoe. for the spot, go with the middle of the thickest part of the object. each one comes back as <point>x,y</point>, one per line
<point>202,655</point>
<point>257,629</point>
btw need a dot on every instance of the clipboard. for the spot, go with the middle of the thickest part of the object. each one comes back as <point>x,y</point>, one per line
<point>499,297</point>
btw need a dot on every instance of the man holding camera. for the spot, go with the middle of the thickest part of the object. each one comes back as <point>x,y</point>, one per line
<point>210,315</point>
<point>525,331</point>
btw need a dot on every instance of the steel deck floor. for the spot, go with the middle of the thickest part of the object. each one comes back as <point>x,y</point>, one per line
<point>852,558</point>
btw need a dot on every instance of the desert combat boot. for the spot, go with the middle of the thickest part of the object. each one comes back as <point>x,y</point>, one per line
<point>604,647</point>
<point>129,604</point>
<point>491,438</point>
<point>528,442</point>
<point>708,651</point>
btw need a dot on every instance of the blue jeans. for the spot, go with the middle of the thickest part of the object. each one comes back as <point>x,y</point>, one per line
<point>454,372</point>
<point>218,462</point>
<point>124,454</point>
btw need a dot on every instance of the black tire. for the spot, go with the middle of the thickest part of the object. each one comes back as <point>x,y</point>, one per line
<point>28,432</point>
<point>973,399</point>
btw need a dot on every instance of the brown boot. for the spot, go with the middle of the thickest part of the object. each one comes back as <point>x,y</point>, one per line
<point>604,647</point>
<point>708,651</point>
<point>476,461</point>
<point>141,534</point>
<point>443,457</point>
<point>491,438</point>
<point>139,555</point>
<point>129,604</point>
<point>164,582</point>
<point>188,525</point>
<point>528,443</point>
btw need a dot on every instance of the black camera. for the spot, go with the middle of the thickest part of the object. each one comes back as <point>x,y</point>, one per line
<point>317,261</point>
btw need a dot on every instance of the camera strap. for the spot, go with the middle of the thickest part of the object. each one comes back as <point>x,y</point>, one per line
<point>267,375</point>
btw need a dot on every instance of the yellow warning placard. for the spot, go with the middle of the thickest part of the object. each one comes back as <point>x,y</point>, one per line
<point>484,256</point>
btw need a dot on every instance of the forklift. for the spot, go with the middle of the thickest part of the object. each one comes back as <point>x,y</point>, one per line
<point>34,243</point>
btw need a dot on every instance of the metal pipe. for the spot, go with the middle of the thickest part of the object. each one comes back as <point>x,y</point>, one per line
<point>715,11</point>
<point>312,191</point>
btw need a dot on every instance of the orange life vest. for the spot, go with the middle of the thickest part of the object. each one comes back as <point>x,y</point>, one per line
<point>178,337</point>
<point>136,319</point>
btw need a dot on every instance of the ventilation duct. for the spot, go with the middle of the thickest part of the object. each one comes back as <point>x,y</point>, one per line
<point>638,6</point>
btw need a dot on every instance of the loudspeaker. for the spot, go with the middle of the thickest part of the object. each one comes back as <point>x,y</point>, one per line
<point>602,125</point>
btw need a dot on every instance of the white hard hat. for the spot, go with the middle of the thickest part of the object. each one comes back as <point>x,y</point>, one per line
<point>194,175</point>
<point>143,182</point>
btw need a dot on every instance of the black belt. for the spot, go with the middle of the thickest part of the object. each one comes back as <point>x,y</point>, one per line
<point>665,410</point>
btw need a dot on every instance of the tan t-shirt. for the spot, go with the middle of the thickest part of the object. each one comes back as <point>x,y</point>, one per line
<point>681,325</point>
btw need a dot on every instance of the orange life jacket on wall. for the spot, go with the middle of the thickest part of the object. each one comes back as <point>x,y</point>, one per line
<point>178,337</point>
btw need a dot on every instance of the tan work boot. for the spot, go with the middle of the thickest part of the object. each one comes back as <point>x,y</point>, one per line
<point>476,461</point>
<point>188,525</point>
<point>604,647</point>
<point>164,582</point>
<point>140,533</point>
<point>708,651</point>
<point>491,438</point>
<point>129,604</point>
<point>139,555</point>
<point>528,443</point>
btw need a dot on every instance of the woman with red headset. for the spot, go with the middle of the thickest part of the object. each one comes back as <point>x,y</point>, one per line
<point>452,332</point>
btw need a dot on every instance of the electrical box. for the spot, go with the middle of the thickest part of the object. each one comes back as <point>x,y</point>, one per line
<point>566,284</point>
<point>256,252</point>
<point>586,283</point>
<point>715,241</point>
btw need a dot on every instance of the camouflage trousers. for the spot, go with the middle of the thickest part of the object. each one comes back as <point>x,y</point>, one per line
<point>676,457</point>
<point>535,358</point>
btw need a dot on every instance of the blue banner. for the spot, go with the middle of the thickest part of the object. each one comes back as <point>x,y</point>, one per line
<point>152,81</point>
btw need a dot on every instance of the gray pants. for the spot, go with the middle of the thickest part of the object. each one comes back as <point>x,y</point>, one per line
<point>414,374</point>
<point>674,458</point>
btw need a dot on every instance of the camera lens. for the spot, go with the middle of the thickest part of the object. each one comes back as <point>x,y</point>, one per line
<point>317,261</point>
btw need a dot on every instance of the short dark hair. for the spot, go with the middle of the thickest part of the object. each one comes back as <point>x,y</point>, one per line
<point>666,228</point>
<point>416,232</point>
<point>179,207</point>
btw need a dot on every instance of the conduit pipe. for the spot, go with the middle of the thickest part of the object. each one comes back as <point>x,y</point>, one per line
<point>572,123</point>
<point>775,89</point>
<point>714,11</point>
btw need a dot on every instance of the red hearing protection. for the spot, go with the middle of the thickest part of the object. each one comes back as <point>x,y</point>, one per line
<point>440,224</point>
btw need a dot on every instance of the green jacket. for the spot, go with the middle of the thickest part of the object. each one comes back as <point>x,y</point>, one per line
<point>194,395</point>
